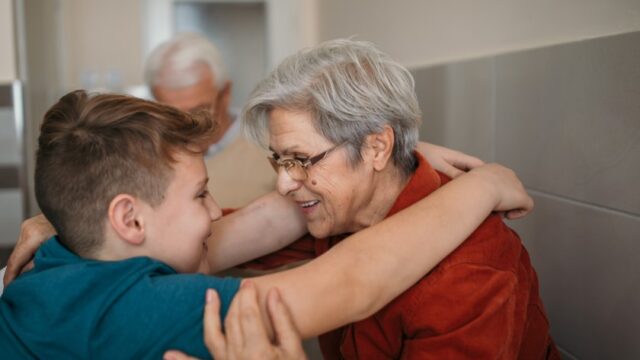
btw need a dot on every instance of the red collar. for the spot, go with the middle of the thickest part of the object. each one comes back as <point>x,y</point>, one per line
<point>423,182</point>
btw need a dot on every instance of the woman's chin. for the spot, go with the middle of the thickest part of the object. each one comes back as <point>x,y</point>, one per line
<point>318,232</point>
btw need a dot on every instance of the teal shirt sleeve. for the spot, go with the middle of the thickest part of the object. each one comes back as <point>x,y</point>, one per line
<point>69,307</point>
<point>169,312</point>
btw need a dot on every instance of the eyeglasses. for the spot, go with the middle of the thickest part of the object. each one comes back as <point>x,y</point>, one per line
<point>296,168</point>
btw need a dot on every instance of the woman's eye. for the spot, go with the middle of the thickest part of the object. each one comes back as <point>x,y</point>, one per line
<point>301,159</point>
<point>275,156</point>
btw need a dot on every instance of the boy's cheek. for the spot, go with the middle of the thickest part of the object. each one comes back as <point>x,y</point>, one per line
<point>204,267</point>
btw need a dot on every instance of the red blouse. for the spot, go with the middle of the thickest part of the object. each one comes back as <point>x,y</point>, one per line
<point>480,302</point>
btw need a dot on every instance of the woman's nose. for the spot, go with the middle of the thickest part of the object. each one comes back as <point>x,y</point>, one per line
<point>285,184</point>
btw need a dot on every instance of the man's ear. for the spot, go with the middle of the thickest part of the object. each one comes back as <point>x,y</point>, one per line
<point>225,95</point>
<point>125,217</point>
<point>381,145</point>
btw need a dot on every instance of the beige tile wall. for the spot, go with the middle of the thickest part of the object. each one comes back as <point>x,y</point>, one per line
<point>567,119</point>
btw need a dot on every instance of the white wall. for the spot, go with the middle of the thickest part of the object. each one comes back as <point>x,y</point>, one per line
<point>423,32</point>
<point>7,44</point>
<point>102,43</point>
<point>291,25</point>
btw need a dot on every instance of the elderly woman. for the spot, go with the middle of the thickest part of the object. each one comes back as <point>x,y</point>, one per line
<point>342,121</point>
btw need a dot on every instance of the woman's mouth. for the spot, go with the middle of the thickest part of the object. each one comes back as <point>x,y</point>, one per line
<point>307,207</point>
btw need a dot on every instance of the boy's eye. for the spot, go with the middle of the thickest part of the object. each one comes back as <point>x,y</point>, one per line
<point>203,194</point>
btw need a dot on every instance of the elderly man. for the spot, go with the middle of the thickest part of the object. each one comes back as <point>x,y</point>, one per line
<point>187,72</point>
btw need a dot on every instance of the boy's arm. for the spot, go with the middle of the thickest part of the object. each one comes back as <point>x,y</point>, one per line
<point>273,222</point>
<point>448,161</point>
<point>267,224</point>
<point>367,270</point>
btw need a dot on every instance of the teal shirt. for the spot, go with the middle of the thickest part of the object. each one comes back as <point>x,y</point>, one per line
<point>70,307</point>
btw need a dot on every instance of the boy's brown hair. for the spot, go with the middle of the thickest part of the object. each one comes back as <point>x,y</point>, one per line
<point>94,147</point>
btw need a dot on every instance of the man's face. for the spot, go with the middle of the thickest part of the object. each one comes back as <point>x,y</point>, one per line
<point>176,231</point>
<point>202,95</point>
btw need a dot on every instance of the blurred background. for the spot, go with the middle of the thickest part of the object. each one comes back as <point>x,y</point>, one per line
<point>548,88</point>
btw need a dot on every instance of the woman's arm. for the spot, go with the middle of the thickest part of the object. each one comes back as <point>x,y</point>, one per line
<point>264,226</point>
<point>267,224</point>
<point>367,270</point>
<point>33,232</point>
<point>245,336</point>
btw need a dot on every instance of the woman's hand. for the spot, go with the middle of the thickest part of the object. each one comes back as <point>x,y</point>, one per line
<point>510,194</point>
<point>33,232</point>
<point>246,335</point>
<point>450,162</point>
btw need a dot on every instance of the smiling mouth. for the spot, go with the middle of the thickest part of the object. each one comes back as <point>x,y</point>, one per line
<point>308,204</point>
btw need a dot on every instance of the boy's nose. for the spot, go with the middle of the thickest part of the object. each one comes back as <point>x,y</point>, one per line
<point>214,210</point>
<point>285,184</point>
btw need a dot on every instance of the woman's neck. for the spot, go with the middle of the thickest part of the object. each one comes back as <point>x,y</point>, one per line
<point>387,186</point>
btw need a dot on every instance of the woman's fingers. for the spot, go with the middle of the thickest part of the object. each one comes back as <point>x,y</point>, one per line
<point>214,338</point>
<point>251,319</point>
<point>33,232</point>
<point>287,335</point>
<point>177,355</point>
<point>233,329</point>
<point>246,333</point>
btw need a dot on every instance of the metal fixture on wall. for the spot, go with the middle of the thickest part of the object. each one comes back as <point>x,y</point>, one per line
<point>13,173</point>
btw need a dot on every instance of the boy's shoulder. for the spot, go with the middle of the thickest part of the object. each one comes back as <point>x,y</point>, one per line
<point>98,306</point>
<point>492,244</point>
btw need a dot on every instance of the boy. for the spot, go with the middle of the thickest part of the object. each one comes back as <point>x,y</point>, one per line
<point>123,182</point>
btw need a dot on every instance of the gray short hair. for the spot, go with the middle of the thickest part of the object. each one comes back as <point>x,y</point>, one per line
<point>351,89</point>
<point>181,54</point>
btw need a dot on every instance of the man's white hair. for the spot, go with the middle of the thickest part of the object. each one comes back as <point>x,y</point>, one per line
<point>176,63</point>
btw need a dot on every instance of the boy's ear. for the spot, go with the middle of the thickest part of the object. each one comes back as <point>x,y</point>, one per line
<point>381,145</point>
<point>126,219</point>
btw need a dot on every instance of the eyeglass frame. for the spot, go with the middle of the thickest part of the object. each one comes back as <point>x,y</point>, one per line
<point>276,164</point>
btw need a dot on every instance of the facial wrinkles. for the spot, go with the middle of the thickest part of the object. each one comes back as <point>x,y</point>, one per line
<point>348,193</point>
<point>329,191</point>
<point>336,181</point>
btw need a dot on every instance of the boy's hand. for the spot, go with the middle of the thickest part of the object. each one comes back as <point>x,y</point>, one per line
<point>510,194</point>
<point>246,335</point>
<point>33,232</point>
<point>451,162</point>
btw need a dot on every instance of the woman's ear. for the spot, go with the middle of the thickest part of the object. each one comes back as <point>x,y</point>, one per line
<point>381,145</point>
<point>125,217</point>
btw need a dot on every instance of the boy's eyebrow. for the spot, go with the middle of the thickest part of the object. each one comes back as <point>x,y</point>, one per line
<point>203,182</point>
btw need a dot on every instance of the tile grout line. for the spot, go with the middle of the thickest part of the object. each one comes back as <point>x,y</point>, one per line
<point>583,203</point>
